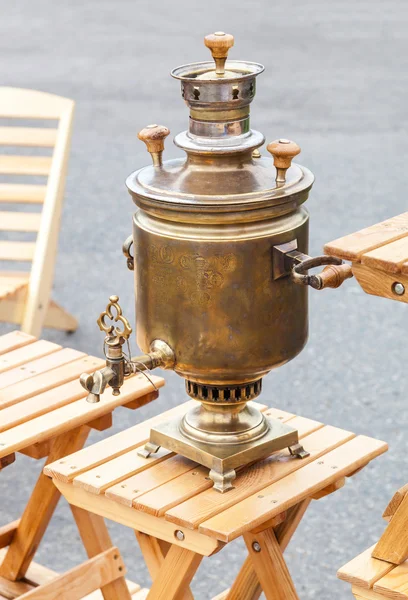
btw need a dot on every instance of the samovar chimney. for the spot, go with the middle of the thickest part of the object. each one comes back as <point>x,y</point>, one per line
<point>220,240</point>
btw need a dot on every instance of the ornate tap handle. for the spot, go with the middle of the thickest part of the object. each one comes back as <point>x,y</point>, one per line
<point>115,334</point>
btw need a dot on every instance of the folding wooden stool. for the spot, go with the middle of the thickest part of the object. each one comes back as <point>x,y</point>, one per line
<point>179,518</point>
<point>382,570</point>
<point>43,413</point>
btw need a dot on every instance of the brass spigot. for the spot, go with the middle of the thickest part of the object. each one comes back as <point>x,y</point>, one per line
<point>118,364</point>
<point>153,136</point>
<point>283,151</point>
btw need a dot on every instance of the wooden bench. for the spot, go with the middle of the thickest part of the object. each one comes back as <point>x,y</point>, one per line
<point>382,570</point>
<point>25,297</point>
<point>380,257</point>
<point>43,413</point>
<point>179,518</point>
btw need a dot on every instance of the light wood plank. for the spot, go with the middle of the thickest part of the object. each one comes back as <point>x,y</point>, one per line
<point>7,533</point>
<point>131,488</point>
<point>290,490</point>
<point>13,589</point>
<point>19,221</point>
<point>27,353</point>
<point>22,193</point>
<point>361,594</point>
<point>270,566</point>
<point>380,283</point>
<point>24,165</point>
<point>199,507</point>
<point>174,577</point>
<point>40,365</point>
<point>39,510</point>
<point>395,502</point>
<point>388,258</point>
<point>95,538</point>
<point>19,251</point>
<point>394,584</point>
<point>14,340</point>
<point>67,417</point>
<point>83,579</point>
<point>32,104</point>
<point>98,479</point>
<point>11,287</point>
<point>38,384</point>
<point>353,246</point>
<point>100,505</point>
<point>393,544</point>
<point>115,445</point>
<point>364,570</point>
<point>28,136</point>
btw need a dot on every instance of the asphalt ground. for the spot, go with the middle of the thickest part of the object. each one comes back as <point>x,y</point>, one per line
<point>335,81</point>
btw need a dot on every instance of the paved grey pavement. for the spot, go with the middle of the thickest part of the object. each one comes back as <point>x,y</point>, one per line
<point>336,81</point>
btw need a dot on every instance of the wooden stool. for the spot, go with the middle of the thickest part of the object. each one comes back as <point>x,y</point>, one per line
<point>178,518</point>
<point>43,414</point>
<point>380,257</point>
<point>382,570</point>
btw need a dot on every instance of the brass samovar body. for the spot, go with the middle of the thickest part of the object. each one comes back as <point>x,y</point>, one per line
<point>220,241</point>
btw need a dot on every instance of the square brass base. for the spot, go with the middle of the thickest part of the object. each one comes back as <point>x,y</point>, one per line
<point>222,460</point>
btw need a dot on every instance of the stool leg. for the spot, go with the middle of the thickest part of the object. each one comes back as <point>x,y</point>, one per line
<point>178,569</point>
<point>270,566</point>
<point>154,555</point>
<point>39,509</point>
<point>246,585</point>
<point>95,538</point>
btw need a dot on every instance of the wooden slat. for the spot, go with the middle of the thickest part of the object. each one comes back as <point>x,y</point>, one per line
<point>13,340</point>
<point>28,136</point>
<point>363,571</point>
<point>113,446</point>
<point>167,497</point>
<point>98,479</point>
<point>22,192</point>
<point>389,258</point>
<point>19,251</point>
<point>395,502</point>
<point>276,498</point>
<point>395,584</point>
<point>131,488</point>
<point>351,247</point>
<point>393,544</point>
<point>380,283</point>
<point>19,221</point>
<point>136,520</point>
<point>6,535</point>
<point>37,384</point>
<point>26,354</point>
<point>40,365</point>
<point>82,579</point>
<point>24,165</point>
<point>73,415</point>
<point>205,505</point>
<point>10,286</point>
<point>361,594</point>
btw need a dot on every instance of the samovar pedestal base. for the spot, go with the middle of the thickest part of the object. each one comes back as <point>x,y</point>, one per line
<point>224,458</point>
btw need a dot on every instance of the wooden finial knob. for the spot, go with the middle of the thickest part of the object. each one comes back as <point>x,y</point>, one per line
<point>153,136</point>
<point>283,151</point>
<point>219,43</point>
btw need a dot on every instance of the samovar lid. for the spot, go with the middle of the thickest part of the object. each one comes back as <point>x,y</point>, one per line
<point>224,168</point>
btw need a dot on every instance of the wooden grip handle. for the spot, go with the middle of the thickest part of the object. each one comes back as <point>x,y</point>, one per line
<point>333,276</point>
<point>283,151</point>
<point>219,43</point>
<point>153,136</point>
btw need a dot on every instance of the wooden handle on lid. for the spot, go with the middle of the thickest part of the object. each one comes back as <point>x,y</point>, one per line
<point>153,136</point>
<point>283,151</point>
<point>219,43</point>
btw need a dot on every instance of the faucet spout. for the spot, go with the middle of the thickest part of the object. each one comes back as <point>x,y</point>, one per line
<point>95,383</point>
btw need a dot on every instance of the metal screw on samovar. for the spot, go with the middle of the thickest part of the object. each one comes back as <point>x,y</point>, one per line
<point>219,251</point>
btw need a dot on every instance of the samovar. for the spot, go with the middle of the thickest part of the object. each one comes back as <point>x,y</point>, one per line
<point>220,240</point>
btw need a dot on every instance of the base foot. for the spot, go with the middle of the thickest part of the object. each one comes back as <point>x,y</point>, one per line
<point>149,449</point>
<point>299,451</point>
<point>223,481</point>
